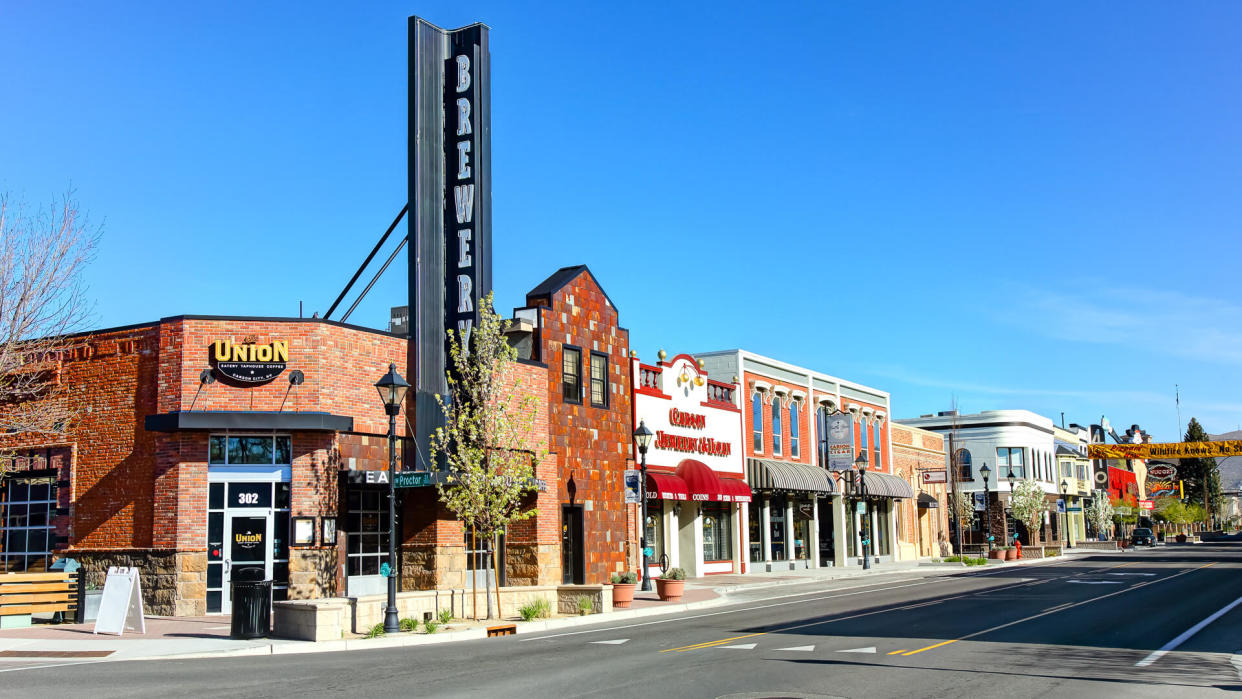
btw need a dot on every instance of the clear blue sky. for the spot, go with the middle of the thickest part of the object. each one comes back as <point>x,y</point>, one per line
<point>1023,207</point>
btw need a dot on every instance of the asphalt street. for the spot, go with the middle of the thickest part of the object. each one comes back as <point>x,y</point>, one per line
<point>1160,622</point>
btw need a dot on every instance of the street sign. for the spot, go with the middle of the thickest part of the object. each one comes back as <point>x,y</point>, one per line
<point>412,479</point>
<point>860,507</point>
<point>941,476</point>
<point>1162,471</point>
<point>631,486</point>
<point>649,551</point>
<point>1061,505</point>
<point>1074,508</point>
<point>384,569</point>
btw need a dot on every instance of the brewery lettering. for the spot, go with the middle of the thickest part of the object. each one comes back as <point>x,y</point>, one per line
<point>463,202</point>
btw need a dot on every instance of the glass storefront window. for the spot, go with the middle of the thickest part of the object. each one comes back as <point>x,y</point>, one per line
<point>655,531</point>
<point>755,527</point>
<point>801,534</point>
<point>776,519</point>
<point>366,533</point>
<point>249,450</point>
<point>717,532</point>
<point>26,532</point>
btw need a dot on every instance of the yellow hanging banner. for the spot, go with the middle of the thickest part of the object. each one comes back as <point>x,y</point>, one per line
<point>1168,450</point>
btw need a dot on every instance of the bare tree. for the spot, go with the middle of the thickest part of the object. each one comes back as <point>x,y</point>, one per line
<point>43,254</point>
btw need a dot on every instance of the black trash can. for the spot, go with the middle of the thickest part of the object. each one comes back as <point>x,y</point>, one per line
<point>252,603</point>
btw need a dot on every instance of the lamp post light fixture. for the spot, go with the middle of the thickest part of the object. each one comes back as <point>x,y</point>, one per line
<point>392,390</point>
<point>1065,515</point>
<point>643,437</point>
<point>1012,539</point>
<point>861,464</point>
<point>987,502</point>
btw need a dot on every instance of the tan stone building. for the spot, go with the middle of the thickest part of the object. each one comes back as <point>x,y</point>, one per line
<point>919,457</point>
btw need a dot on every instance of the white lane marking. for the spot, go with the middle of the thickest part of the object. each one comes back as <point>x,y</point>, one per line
<point>1147,574</point>
<point>1095,582</point>
<point>741,646</point>
<point>1156,655</point>
<point>615,642</point>
<point>1236,660</point>
<point>868,649</point>
<point>217,628</point>
<point>1059,606</point>
<point>805,649</point>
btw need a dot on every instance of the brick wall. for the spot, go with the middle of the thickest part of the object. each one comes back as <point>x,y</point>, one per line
<point>914,452</point>
<point>592,444</point>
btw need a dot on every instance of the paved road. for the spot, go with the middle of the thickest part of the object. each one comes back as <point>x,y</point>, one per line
<point>1091,626</point>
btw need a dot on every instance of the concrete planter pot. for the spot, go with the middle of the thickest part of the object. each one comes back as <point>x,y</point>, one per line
<point>996,555</point>
<point>623,594</point>
<point>670,590</point>
<point>1011,554</point>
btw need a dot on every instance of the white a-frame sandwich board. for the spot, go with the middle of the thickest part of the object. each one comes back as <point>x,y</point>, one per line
<point>120,609</point>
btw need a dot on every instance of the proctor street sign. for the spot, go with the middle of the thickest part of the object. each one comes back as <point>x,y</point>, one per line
<point>412,479</point>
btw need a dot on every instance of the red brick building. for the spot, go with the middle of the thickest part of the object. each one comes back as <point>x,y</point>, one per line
<point>201,445</point>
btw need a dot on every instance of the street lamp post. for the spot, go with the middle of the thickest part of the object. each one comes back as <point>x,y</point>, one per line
<point>1065,515</point>
<point>861,464</point>
<point>392,390</point>
<point>642,437</point>
<point>1013,539</point>
<point>987,502</point>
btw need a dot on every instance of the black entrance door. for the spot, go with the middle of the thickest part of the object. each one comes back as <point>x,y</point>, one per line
<point>826,540</point>
<point>572,569</point>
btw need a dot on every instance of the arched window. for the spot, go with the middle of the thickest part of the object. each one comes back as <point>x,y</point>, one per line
<point>794,447</point>
<point>756,421</point>
<point>776,426</point>
<point>965,470</point>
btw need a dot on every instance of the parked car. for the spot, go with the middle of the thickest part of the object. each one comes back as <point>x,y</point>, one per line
<point>1142,536</point>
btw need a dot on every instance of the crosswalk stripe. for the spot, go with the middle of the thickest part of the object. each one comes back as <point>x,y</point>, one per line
<point>805,649</point>
<point>742,646</point>
<point>616,642</point>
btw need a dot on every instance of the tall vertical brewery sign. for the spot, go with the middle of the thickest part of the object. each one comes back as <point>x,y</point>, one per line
<point>450,182</point>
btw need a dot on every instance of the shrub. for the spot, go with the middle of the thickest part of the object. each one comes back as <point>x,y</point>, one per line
<point>674,574</point>
<point>408,624</point>
<point>586,604</point>
<point>626,578</point>
<point>376,631</point>
<point>538,608</point>
<point>446,615</point>
<point>431,625</point>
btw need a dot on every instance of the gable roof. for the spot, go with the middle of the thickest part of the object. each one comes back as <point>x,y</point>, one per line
<point>560,278</point>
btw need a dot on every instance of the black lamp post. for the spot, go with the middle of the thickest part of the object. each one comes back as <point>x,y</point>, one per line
<point>1065,515</point>
<point>392,390</point>
<point>861,464</point>
<point>643,437</point>
<point>987,502</point>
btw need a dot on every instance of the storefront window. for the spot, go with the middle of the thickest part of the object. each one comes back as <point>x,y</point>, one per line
<point>801,532</point>
<point>248,450</point>
<point>717,532</point>
<point>880,530</point>
<point>366,532</point>
<point>27,506</point>
<point>655,530</point>
<point>754,526</point>
<point>776,518</point>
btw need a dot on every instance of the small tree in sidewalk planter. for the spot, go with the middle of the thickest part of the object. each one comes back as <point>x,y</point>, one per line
<point>1100,512</point>
<point>485,440</point>
<point>1028,504</point>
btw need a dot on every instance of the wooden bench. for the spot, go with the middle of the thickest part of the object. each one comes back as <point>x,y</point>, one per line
<point>37,593</point>
<point>502,630</point>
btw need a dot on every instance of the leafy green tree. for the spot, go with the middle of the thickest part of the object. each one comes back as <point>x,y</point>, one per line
<point>1200,475</point>
<point>1027,502</point>
<point>485,441</point>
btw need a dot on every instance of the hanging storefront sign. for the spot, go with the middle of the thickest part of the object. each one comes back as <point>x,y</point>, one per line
<point>840,442</point>
<point>247,362</point>
<point>936,476</point>
<point>631,486</point>
<point>450,255</point>
<point>1163,472</point>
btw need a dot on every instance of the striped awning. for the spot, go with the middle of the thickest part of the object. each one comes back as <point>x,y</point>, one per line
<point>887,486</point>
<point>765,474</point>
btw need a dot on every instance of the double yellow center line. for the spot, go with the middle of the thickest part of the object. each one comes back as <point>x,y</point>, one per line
<point>709,644</point>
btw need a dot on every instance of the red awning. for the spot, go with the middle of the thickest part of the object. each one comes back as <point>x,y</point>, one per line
<point>666,486</point>
<point>705,485</point>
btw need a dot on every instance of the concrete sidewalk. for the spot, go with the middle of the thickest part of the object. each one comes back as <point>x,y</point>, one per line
<point>197,637</point>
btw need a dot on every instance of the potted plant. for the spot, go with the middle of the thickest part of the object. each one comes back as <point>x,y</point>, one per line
<point>996,554</point>
<point>671,584</point>
<point>1011,553</point>
<point>623,585</point>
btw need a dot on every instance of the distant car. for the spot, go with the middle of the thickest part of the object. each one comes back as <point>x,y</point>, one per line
<point>1142,536</point>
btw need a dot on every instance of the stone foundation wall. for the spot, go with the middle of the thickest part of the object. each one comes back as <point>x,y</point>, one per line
<point>312,573</point>
<point>168,578</point>
<point>428,567</point>
<point>533,564</point>
<point>567,597</point>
